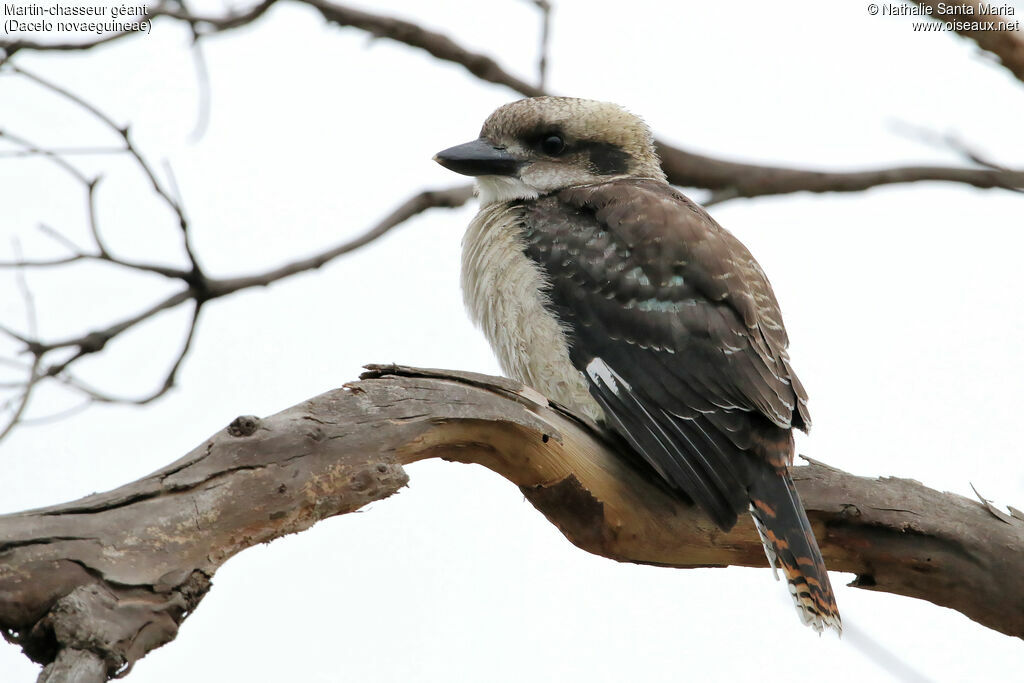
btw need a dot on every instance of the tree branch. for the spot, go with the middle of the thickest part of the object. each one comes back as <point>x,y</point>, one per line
<point>731,180</point>
<point>449,198</point>
<point>436,44</point>
<point>1006,45</point>
<point>198,288</point>
<point>62,587</point>
<point>728,179</point>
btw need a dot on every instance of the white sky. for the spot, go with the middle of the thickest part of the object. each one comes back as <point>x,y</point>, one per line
<point>904,305</point>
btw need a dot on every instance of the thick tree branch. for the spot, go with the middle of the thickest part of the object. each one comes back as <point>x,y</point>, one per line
<point>116,573</point>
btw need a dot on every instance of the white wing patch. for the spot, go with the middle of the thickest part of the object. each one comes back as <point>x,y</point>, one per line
<point>599,372</point>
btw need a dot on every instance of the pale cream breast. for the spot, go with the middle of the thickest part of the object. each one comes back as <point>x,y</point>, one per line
<point>505,295</point>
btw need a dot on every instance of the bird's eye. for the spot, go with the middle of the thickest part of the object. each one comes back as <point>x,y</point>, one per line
<point>552,145</point>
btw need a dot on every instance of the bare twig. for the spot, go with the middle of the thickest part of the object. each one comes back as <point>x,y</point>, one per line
<point>46,153</point>
<point>31,319</point>
<point>417,204</point>
<point>63,152</point>
<point>198,292</point>
<point>947,141</point>
<point>95,341</point>
<point>545,8</point>
<point>205,92</point>
<point>14,335</point>
<point>57,416</point>
<point>436,44</point>
<point>168,383</point>
<point>207,24</point>
<point>10,47</point>
<point>63,240</point>
<point>27,388</point>
<point>63,92</point>
<point>726,179</point>
<point>166,271</point>
<point>202,79</point>
<point>203,25</point>
<point>124,132</point>
<point>33,374</point>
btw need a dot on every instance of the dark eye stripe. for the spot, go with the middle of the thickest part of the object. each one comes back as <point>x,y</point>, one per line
<point>606,158</point>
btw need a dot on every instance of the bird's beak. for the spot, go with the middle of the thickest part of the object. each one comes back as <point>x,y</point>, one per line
<point>479,157</point>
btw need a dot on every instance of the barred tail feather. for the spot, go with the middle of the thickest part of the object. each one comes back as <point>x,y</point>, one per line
<point>789,543</point>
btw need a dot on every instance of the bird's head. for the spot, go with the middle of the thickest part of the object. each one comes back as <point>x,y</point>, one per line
<point>539,145</point>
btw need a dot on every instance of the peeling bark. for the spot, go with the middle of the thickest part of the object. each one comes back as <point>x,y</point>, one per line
<point>90,587</point>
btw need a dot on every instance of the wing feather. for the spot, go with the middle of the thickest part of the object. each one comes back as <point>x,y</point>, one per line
<point>685,322</point>
<point>682,340</point>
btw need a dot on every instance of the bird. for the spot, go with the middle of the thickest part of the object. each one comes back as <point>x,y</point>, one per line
<point>604,288</point>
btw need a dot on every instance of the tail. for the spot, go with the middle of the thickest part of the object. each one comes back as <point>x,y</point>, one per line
<point>789,542</point>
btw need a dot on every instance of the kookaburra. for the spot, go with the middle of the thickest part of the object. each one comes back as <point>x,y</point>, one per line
<point>604,288</point>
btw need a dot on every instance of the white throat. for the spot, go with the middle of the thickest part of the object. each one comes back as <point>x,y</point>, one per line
<point>494,189</point>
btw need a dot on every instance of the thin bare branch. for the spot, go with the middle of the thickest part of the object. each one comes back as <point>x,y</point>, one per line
<point>26,395</point>
<point>205,96</point>
<point>61,151</point>
<point>31,318</point>
<point>61,239</point>
<point>178,205</point>
<point>202,24</point>
<point>948,142</point>
<point>207,24</point>
<point>198,292</point>
<point>729,179</point>
<point>48,154</point>
<point>436,44</point>
<point>545,8</point>
<point>417,204</point>
<point>67,94</point>
<point>124,132</point>
<point>95,341</point>
<point>10,47</point>
<point>43,263</point>
<point>94,227</point>
<point>78,255</point>
<point>37,421</point>
<point>726,178</point>
<point>166,271</point>
<point>32,326</point>
<point>168,383</point>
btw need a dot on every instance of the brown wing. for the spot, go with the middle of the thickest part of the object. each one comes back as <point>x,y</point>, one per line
<point>653,286</point>
<point>680,334</point>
